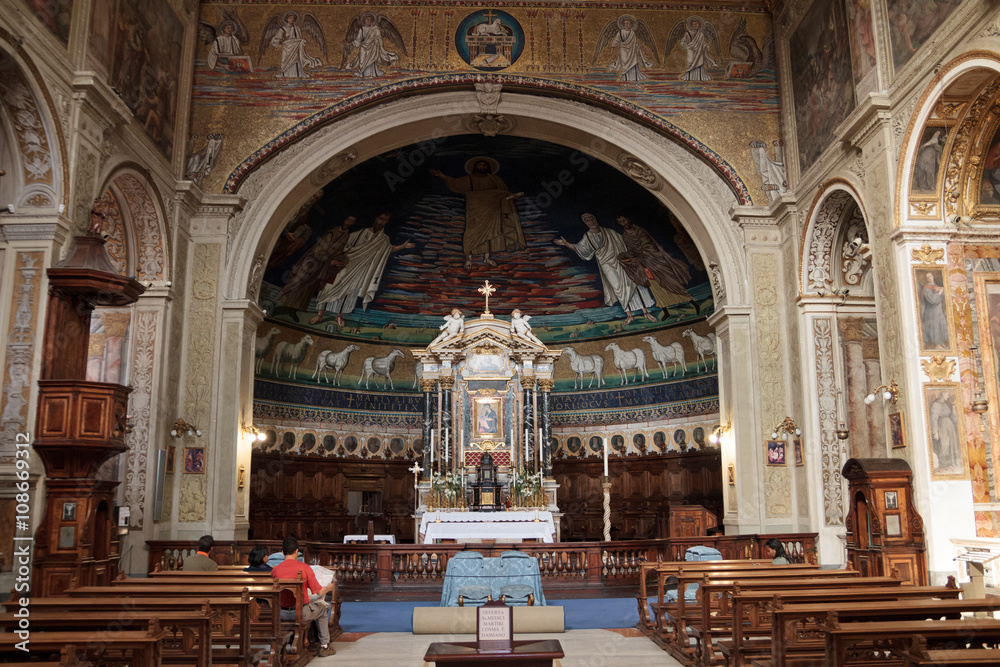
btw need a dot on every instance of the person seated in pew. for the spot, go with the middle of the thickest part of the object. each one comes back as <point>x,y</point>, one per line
<point>776,550</point>
<point>256,559</point>
<point>316,609</point>
<point>202,561</point>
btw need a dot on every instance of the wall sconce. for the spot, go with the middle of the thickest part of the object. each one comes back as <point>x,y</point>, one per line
<point>785,428</point>
<point>889,392</point>
<point>182,428</point>
<point>719,432</point>
<point>980,404</point>
<point>254,432</point>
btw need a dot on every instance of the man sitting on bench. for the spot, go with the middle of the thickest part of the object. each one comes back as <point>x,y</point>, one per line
<point>202,560</point>
<point>316,609</point>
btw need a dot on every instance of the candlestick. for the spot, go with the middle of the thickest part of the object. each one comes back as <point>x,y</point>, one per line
<point>605,456</point>
<point>432,447</point>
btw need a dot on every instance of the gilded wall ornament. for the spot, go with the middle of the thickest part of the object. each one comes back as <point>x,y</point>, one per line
<point>938,368</point>
<point>489,40</point>
<point>639,171</point>
<point>925,254</point>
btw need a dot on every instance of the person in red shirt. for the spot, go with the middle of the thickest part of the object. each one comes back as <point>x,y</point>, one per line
<point>315,610</point>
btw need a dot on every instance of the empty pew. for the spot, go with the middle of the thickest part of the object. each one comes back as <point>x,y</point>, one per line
<point>140,648</point>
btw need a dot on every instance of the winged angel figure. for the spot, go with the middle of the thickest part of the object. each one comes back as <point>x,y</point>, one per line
<point>287,34</point>
<point>743,48</point>
<point>227,42</point>
<point>626,33</point>
<point>366,33</point>
<point>697,37</point>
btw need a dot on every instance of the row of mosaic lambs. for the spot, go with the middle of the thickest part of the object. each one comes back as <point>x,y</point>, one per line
<point>293,354</point>
<point>635,359</point>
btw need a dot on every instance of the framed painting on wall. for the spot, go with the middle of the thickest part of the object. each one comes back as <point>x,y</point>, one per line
<point>896,438</point>
<point>194,459</point>
<point>775,452</point>
<point>933,306</point>
<point>945,425</point>
<point>487,419</point>
<point>797,449</point>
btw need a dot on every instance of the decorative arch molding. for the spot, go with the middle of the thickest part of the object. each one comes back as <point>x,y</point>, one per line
<point>144,231</point>
<point>514,84</point>
<point>829,209</point>
<point>27,107</point>
<point>959,145</point>
<point>694,192</point>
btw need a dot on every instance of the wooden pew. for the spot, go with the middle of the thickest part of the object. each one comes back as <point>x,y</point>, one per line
<point>855,640</point>
<point>715,617</point>
<point>187,637</point>
<point>232,625</point>
<point>919,655</point>
<point>680,621</point>
<point>139,648</point>
<point>776,624</point>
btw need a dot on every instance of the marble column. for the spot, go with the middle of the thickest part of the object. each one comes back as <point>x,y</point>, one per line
<point>448,451</point>
<point>876,411</point>
<point>545,417</point>
<point>528,427</point>
<point>427,386</point>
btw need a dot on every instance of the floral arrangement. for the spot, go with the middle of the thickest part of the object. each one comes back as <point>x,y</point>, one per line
<point>526,490</point>
<point>447,491</point>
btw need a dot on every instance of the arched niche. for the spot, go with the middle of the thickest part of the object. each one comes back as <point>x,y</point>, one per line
<point>685,184</point>
<point>135,221</point>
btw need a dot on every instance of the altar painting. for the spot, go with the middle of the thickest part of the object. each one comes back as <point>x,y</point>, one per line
<point>488,418</point>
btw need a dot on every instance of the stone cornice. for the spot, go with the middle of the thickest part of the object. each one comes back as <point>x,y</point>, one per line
<point>13,232</point>
<point>92,90</point>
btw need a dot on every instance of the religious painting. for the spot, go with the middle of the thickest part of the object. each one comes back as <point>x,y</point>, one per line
<point>822,83</point>
<point>775,452</point>
<point>55,15</point>
<point>891,500</point>
<point>618,443</point>
<point>639,442</point>
<point>933,306</point>
<point>596,444</point>
<point>896,437</point>
<point>797,451</point>
<point>147,50</point>
<point>351,444</point>
<point>396,446</point>
<point>487,418</point>
<point>170,459</point>
<point>101,26</point>
<point>911,24</point>
<point>489,40</point>
<point>927,164</point>
<point>989,187</point>
<point>946,428</point>
<point>660,440</point>
<point>862,36</point>
<point>987,313</point>
<point>680,439</point>
<point>69,512</point>
<point>309,443</point>
<point>698,435</point>
<point>574,445</point>
<point>194,460</point>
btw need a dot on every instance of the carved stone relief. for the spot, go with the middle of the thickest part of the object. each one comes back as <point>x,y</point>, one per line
<point>83,187</point>
<point>198,375</point>
<point>962,143</point>
<point>830,451</point>
<point>925,254</point>
<point>145,220</point>
<point>639,171</point>
<point>334,166</point>
<point>32,139</point>
<point>819,275</point>
<point>140,441</point>
<point>20,350</point>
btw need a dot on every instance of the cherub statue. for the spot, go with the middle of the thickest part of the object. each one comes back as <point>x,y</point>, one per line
<point>454,324</point>
<point>97,215</point>
<point>519,326</point>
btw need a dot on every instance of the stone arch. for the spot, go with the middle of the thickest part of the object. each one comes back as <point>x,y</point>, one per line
<point>834,205</point>
<point>132,198</point>
<point>958,174</point>
<point>37,179</point>
<point>694,191</point>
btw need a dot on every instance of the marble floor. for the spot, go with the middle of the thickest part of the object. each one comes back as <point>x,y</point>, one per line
<point>583,648</point>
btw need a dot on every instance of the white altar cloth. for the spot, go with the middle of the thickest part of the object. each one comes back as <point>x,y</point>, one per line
<point>501,526</point>
<point>348,539</point>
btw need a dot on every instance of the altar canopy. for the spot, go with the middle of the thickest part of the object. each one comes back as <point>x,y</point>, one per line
<point>476,526</point>
<point>486,384</point>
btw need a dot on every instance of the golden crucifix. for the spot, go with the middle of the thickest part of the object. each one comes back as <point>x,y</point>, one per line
<point>486,290</point>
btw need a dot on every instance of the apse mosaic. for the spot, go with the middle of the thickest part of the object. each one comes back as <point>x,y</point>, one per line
<point>278,73</point>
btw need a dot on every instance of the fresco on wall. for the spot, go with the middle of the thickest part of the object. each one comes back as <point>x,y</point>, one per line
<point>862,36</point>
<point>147,51</point>
<point>911,24</point>
<point>927,165</point>
<point>659,65</point>
<point>822,83</point>
<point>56,15</point>
<point>393,245</point>
<point>989,188</point>
<point>102,19</point>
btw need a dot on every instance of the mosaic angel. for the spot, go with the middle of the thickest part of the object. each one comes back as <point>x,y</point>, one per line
<point>289,35</point>
<point>698,37</point>
<point>228,42</point>
<point>366,33</point>
<point>628,35</point>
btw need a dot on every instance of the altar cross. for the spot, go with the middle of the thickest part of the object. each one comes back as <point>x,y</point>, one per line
<point>486,290</point>
<point>489,15</point>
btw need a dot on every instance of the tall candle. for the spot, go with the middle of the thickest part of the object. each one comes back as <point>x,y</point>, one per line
<point>432,448</point>
<point>605,456</point>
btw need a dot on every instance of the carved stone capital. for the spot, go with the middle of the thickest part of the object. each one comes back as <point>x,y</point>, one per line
<point>527,382</point>
<point>869,349</point>
<point>852,329</point>
<point>546,384</point>
<point>447,382</point>
<point>427,386</point>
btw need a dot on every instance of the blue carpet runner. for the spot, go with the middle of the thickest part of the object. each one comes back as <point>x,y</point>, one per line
<point>578,614</point>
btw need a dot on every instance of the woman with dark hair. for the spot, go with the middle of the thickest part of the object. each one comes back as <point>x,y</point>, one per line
<point>256,560</point>
<point>777,549</point>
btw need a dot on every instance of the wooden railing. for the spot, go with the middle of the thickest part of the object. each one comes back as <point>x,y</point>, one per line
<point>416,571</point>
